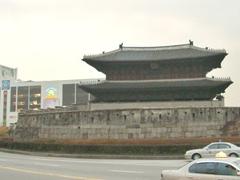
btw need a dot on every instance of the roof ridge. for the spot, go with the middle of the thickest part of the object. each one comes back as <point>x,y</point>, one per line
<point>157,47</point>
<point>136,48</point>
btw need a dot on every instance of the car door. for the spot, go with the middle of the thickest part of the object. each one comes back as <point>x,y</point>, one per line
<point>225,148</point>
<point>203,177</point>
<point>202,171</point>
<point>211,151</point>
<point>226,171</point>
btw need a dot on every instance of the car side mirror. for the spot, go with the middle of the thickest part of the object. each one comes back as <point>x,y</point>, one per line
<point>238,173</point>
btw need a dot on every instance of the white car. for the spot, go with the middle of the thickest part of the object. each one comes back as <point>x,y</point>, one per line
<point>206,169</point>
<point>212,149</point>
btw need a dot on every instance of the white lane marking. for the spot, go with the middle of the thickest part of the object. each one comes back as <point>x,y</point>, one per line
<point>107,162</point>
<point>146,163</point>
<point>45,164</point>
<point>51,159</point>
<point>124,171</point>
<point>120,162</point>
<point>39,159</point>
<point>130,162</point>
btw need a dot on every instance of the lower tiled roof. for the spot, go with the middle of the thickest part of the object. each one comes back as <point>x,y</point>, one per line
<point>166,83</point>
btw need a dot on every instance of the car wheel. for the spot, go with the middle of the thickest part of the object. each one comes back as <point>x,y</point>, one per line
<point>233,155</point>
<point>196,156</point>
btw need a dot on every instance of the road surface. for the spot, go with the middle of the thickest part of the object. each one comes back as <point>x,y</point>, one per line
<point>22,167</point>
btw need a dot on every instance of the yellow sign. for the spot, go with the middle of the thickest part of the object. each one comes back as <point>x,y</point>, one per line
<point>51,93</point>
<point>221,155</point>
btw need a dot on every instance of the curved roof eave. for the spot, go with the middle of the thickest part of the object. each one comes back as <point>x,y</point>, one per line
<point>151,60</point>
<point>170,83</point>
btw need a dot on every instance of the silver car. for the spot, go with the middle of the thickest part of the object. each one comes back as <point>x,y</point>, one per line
<point>212,149</point>
<point>206,169</point>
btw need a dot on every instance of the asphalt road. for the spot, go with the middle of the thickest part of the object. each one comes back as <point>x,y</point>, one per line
<point>22,167</point>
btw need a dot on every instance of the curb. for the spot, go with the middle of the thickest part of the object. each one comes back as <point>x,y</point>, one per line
<point>93,156</point>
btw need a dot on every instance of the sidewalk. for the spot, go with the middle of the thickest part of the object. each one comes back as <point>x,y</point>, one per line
<point>92,156</point>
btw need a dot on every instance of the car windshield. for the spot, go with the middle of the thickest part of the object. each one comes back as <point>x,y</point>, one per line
<point>237,163</point>
<point>205,147</point>
<point>184,165</point>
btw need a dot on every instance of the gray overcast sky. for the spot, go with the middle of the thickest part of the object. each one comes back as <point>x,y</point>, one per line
<point>46,39</point>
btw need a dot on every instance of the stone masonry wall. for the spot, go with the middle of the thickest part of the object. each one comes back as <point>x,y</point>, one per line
<point>128,124</point>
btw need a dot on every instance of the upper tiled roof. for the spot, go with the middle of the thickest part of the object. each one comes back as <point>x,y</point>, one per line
<point>183,51</point>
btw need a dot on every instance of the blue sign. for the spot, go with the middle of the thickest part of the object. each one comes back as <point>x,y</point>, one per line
<point>5,84</point>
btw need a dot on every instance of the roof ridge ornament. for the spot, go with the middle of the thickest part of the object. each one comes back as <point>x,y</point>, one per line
<point>121,45</point>
<point>190,42</point>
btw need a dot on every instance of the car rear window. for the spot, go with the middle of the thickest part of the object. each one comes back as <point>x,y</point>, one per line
<point>223,146</point>
<point>226,169</point>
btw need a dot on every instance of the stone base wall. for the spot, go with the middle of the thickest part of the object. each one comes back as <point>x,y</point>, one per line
<point>168,123</point>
